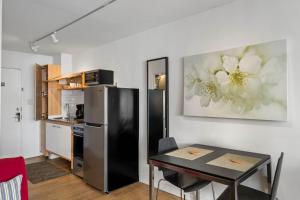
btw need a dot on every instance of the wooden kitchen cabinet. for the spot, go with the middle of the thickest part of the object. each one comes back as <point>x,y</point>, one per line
<point>48,95</point>
<point>59,140</point>
<point>73,81</point>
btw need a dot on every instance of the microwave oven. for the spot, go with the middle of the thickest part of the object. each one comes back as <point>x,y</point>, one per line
<point>99,76</point>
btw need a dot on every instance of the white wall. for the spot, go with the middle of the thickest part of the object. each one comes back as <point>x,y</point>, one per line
<point>240,23</point>
<point>30,127</point>
<point>65,61</point>
<point>68,97</point>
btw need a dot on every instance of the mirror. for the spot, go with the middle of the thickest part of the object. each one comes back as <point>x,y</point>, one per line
<point>157,102</point>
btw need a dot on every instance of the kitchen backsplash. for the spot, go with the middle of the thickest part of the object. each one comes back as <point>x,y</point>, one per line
<point>71,98</point>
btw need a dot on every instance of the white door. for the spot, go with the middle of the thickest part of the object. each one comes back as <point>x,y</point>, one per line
<point>11,113</point>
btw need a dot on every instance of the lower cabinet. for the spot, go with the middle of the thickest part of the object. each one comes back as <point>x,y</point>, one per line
<point>58,140</point>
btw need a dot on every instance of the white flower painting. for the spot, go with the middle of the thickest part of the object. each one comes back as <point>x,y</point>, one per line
<point>249,82</point>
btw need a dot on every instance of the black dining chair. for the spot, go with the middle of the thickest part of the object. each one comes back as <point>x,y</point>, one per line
<point>247,193</point>
<point>186,183</point>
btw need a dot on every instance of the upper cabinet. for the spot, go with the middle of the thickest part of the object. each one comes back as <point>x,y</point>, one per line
<point>48,95</point>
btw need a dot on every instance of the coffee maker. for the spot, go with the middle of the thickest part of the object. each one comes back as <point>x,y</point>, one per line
<point>80,111</point>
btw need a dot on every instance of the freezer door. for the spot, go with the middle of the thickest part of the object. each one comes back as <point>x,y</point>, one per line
<point>95,105</point>
<point>95,156</point>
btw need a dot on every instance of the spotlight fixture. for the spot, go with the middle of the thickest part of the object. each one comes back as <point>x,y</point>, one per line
<point>54,38</point>
<point>34,46</point>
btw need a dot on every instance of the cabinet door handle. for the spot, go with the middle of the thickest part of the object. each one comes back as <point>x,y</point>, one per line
<point>55,126</point>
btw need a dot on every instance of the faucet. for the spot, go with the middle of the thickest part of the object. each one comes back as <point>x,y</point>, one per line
<point>68,111</point>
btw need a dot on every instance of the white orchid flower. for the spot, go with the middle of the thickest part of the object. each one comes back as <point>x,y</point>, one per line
<point>240,80</point>
<point>203,84</point>
<point>239,72</point>
<point>209,91</point>
<point>246,80</point>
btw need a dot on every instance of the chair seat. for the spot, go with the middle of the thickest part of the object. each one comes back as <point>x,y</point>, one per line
<point>185,182</point>
<point>246,193</point>
<point>197,186</point>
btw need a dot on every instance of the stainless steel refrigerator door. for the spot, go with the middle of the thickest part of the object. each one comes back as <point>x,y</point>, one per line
<point>95,104</point>
<point>95,156</point>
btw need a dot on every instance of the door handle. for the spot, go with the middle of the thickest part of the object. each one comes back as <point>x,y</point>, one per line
<point>18,116</point>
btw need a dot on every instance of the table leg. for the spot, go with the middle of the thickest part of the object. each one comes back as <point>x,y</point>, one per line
<point>234,191</point>
<point>151,182</point>
<point>269,174</point>
<point>197,194</point>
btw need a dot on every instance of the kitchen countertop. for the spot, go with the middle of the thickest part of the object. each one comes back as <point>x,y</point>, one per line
<point>65,121</point>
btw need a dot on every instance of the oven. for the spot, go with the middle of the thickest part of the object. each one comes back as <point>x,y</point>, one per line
<point>78,134</point>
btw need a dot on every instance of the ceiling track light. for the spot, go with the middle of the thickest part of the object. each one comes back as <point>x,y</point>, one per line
<point>34,46</point>
<point>54,38</point>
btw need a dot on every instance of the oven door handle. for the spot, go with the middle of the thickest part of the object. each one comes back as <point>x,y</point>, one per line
<point>77,135</point>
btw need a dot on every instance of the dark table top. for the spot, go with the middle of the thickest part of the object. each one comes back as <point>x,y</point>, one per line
<point>200,165</point>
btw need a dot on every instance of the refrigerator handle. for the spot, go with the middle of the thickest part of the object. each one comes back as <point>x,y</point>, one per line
<point>93,125</point>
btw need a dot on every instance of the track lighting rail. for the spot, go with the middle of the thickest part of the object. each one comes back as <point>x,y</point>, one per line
<point>71,23</point>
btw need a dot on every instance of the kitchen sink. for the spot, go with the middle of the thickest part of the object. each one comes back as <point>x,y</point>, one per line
<point>66,119</point>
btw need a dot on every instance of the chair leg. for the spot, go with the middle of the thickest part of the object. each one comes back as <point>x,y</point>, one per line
<point>180,194</point>
<point>157,190</point>
<point>183,196</point>
<point>197,194</point>
<point>213,190</point>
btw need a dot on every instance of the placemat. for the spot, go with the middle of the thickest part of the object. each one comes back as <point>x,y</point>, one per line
<point>189,153</point>
<point>235,162</point>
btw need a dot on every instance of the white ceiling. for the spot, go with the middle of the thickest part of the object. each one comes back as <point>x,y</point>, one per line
<point>27,20</point>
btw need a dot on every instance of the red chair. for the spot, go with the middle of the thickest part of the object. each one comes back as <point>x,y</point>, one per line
<point>12,167</point>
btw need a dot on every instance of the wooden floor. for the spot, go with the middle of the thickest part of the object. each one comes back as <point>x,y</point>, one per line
<point>71,187</point>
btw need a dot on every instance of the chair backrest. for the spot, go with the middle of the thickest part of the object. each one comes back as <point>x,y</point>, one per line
<point>166,144</point>
<point>277,177</point>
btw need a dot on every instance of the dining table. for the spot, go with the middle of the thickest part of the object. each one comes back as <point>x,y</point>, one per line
<point>223,165</point>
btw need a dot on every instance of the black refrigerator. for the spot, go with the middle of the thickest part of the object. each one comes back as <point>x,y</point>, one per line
<point>111,137</point>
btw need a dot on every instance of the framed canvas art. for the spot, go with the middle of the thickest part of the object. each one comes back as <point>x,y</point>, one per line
<point>249,82</point>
